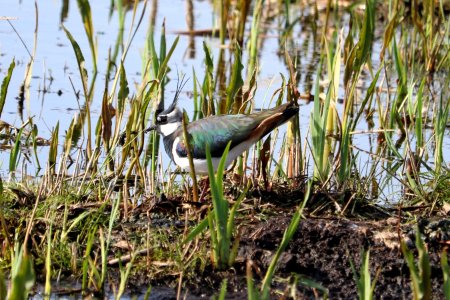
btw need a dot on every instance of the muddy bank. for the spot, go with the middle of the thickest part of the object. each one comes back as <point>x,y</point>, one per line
<point>322,249</point>
<point>316,259</point>
<point>320,254</point>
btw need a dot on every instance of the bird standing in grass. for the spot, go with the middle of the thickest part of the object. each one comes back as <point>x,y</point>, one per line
<point>242,130</point>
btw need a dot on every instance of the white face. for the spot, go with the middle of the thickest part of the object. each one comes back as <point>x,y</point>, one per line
<point>172,122</point>
<point>169,128</point>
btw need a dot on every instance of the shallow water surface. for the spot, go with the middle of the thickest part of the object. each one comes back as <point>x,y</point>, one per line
<point>53,93</point>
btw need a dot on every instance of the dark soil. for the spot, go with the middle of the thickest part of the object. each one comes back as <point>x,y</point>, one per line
<point>317,259</point>
<point>322,250</point>
<point>320,254</point>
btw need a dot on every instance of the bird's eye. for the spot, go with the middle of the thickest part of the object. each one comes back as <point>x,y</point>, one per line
<point>161,119</point>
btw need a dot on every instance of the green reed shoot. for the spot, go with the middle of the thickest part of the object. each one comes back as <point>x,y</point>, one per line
<point>420,273</point>
<point>84,80</point>
<point>221,220</point>
<point>254,37</point>
<point>5,84</point>
<point>221,233</point>
<point>48,262</point>
<point>196,98</point>
<point>208,86</point>
<point>401,68</point>
<point>358,56</point>
<point>34,136</point>
<point>319,119</point>
<point>446,274</point>
<point>86,16</point>
<point>287,236</point>
<point>124,274</point>
<point>53,152</point>
<point>223,291</point>
<point>15,152</point>
<point>236,82</point>
<point>147,293</point>
<point>418,118</point>
<point>329,113</point>
<point>191,160</point>
<point>364,284</point>
<point>243,8</point>
<point>120,33</point>
<point>153,144</point>
<point>86,259</point>
<point>106,245</point>
<point>441,120</point>
<point>22,274</point>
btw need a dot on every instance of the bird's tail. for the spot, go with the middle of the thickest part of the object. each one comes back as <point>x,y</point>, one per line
<point>272,118</point>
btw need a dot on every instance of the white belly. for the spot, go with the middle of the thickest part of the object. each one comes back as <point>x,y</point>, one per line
<point>201,165</point>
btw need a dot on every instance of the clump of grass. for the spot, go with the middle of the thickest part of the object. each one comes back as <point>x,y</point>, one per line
<point>364,284</point>
<point>420,274</point>
<point>22,274</point>
<point>220,221</point>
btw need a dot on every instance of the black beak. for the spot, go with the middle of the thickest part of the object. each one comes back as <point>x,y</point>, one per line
<point>151,128</point>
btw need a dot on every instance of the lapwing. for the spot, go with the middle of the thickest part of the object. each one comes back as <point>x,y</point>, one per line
<point>242,130</point>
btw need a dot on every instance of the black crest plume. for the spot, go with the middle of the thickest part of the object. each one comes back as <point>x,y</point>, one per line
<point>181,82</point>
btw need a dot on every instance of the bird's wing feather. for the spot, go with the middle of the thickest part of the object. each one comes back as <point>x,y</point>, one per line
<point>217,131</point>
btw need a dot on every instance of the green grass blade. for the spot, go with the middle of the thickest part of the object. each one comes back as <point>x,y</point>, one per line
<point>162,46</point>
<point>215,252</point>
<point>421,274</point>
<point>5,84</point>
<point>80,61</point>
<point>53,152</point>
<point>90,241</point>
<point>254,35</point>
<point>419,120</point>
<point>287,236</point>
<point>445,275</point>
<point>22,275</point>
<point>236,81</point>
<point>48,262</point>
<point>223,290</point>
<point>197,230</point>
<point>15,152</point>
<point>366,36</point>
<point>363,282</point>
<point>441,121</point>
<point>124,91</point>
<point>86,16</point>
<point>208,83</point>
<point>424,266</point>
<point>370,92</point>
<point>230,223</point>
<point>163,66</point>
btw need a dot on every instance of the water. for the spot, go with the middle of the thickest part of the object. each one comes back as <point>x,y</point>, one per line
<point>55,68</point>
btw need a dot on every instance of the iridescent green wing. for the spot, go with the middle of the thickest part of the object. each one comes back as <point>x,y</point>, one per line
<point>217,131</point>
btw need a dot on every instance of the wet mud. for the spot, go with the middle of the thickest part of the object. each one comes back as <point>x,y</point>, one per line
<point>319,256</point>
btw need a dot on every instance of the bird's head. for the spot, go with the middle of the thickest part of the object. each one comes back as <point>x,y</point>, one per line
<point>169,120</point>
